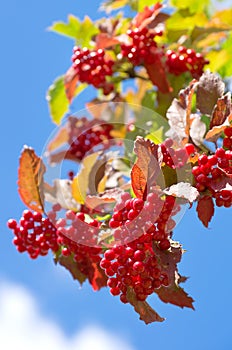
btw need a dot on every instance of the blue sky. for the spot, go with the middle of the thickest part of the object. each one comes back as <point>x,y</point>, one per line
<point>31,58</point>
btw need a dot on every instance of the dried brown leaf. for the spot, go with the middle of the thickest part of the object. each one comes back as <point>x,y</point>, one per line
<point>179,113</point>
<point>210,89</point>
<point>168,261</point>
<point>147,314</point>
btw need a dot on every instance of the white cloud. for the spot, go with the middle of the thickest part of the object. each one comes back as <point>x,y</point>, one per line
<point>23,327</point>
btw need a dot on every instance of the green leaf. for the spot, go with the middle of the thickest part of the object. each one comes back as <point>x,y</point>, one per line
<point>57,100</point>
<point>81,31</point>
<point>156,136</point>
<point>193,6</point>
<point>183,20</point>
<point>143,3</point>
<point>71,28</point>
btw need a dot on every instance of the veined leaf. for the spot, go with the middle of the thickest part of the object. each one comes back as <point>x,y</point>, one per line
<point>71,28</point>
<point>205,210</point>
<point>81,31</point>
<point>30,179</point>
<point>57,100</point>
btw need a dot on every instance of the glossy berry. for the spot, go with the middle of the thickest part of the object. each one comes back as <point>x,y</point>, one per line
<point>185,60</point>
<point>92,67</point>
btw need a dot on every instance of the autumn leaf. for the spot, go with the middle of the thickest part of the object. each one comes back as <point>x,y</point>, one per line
<point>147,314</point>
<point>197,130</point>
<point>168,261</point>
<point>72,266</point>
<point>70,82</point>
<point>179,113</point>
<point>221,117</point>
<point>30,179</point>
<point>221,110</point>
<point>147,15</point>
<point>105,198</point>
<point>104,40</point>
<point>183,190</point>
<point>61,192</point>
<point>205,209</point>
<point>213,134</point>
<point>81,271</point>
<point>80,183</point>
<point>210,89</point>
<point>97,277</point>
<point>157,75</point>
<point>147,167</point>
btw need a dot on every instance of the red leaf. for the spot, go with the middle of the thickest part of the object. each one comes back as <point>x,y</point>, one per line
<point>70,83</point>
<point>72,267</point>
<point>82,271</point>
<point>30,179</point>
<point>157,74</point>
<point>98,278</point>
<point>168,261</point>
<point>144,18</point>
<point>205,210</point>
<point>147,314</point>
<point>146,168</point>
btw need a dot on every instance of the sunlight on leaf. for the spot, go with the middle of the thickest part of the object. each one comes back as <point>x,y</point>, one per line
<point>30,179</point>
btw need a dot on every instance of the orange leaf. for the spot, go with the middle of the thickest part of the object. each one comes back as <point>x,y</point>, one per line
<point>70,83</point>
<point>104,40</point>
<point>146,168</point>
<point>147,16</point>
<point>30,179</point>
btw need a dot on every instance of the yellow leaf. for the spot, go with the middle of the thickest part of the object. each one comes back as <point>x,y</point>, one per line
<point>80,183</point>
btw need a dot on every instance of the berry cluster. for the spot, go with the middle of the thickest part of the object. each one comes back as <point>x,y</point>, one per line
<point>38,235</point>
<point>227,142</point>
<point>211,172</point>
<point>133,266</point>
<point>92,68</point>
<point>133,217</point>
<point>34,234</point>
<point>176,158</point>
<point>74,227</point>
<point>143,48</point>
<point>185,60</point>
<point>98,135</point>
